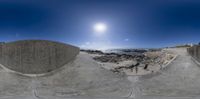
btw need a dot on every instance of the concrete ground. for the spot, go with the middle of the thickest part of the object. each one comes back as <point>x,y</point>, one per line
<point>85,79</point>
<point>81,78</point>
<point>179,80</point>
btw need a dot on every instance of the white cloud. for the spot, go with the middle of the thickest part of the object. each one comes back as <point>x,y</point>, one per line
<point>82,46</point>
<point>126,39</point>
<point>87,43</point>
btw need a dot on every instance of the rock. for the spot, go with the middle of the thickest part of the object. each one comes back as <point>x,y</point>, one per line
<point>92,51</point>
<point>143,59</point>
<point>146,66</point>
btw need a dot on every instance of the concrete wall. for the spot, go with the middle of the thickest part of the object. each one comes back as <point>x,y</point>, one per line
<point>194,52</point>
<point>36,56</point>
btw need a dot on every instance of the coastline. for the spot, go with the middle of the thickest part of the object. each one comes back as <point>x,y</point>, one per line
<point>143,62</point>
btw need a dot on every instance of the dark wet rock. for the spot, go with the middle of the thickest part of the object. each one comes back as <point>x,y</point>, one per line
<point>154,50</point>
<point>136,62</point>
<point>135,50</point>
<point>146,66</point>
<point>92,51</point>
<point>128,67</point>
<point>114,58</point>
<point>131,67</point>
<point>108,58</point>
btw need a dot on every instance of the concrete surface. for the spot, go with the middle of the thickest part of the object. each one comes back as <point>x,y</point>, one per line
<point>36,56</point>
<point>181,78</point>
<point>78,79</point>
<point>83,78</point>
<point>194,51</point>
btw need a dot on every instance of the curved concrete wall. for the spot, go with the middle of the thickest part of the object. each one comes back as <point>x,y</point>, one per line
<point>36,56</point>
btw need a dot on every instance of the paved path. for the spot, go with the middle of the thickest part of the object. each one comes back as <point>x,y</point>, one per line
<point>180,79</point>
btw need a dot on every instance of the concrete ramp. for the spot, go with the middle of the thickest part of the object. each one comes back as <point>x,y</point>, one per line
<point>36,56</point>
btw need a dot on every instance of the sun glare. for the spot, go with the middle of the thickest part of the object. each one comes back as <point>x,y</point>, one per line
<point>100,28</point>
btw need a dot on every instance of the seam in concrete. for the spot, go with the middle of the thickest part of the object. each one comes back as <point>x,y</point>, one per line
<point>164,66</point>
<point>35,94</point>
<point>196,61</point>
<point>130,94</point>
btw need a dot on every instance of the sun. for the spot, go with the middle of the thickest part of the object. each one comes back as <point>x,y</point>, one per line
<point>100,28</point>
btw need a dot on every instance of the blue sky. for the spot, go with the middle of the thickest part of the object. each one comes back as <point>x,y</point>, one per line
<point>130,23</point>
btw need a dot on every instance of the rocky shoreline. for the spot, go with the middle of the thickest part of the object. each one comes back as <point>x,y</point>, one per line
<point>142,63</point>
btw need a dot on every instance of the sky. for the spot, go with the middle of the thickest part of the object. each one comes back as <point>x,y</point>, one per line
<point>129,23</point>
